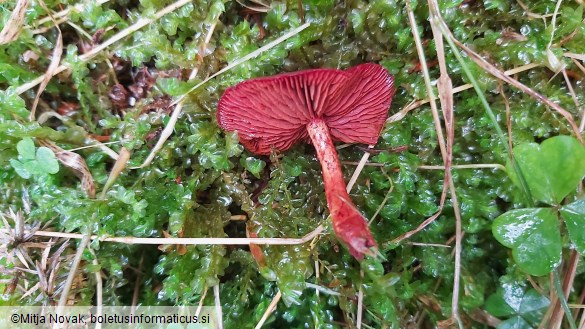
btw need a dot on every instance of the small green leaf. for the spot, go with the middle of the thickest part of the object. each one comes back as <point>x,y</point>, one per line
<point>26,149</point>
<point>516,322</point>
<point>552,169</point>
<point>46,158</point>
<point>19,168</point>
<point>574,216</point>
<point>534,236</point>
<point>253,165</point>
<point>524,308</point>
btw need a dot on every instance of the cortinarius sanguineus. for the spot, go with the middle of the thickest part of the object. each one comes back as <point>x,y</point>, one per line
<point>323,105</point>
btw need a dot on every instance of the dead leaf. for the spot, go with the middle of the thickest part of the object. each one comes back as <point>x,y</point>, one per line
<point>118,95</point>
<point>74,162</point>
<point>119,166</point>
<point>14,24</point>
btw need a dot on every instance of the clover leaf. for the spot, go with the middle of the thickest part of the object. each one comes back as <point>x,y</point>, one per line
<point>523,308</point>
<point>34,161</point>
<point>552,169</point>
<point>574,216</point>
<point>534,236</point>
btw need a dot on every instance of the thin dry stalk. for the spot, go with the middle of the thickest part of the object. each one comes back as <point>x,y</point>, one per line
<point>508,117</point>
<point>582,68</point>
<point>358,169</point>
<point>185,241</point>
<point>386,197</point>
<point>446,97</point>
<point>140,23</point>
<point>168,131</point>
<point>322,289</point>
<point>55,59</point>
<point>269,310</point>
<point>72,273</point>
<point>138,283</point>
<point>317,273</point>
<point>491,69</point>
<point>260,9</point>
<point>418,103</point>
<point>218,306</point>
<point>469,166</point>
<point>437,122</point>
<point>360,305</point>
<point>558,314</point>
<point>532,14</point>
<point>580,57</point>
<point>428,244</point>
<point>200,305</point>
<point>202,50</point>
<point>98,288</point>
<point>13,26</point>
<point>63,13</point>
<point>88,140</point>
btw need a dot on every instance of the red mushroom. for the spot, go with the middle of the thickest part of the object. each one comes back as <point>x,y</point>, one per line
<point>323,105</point>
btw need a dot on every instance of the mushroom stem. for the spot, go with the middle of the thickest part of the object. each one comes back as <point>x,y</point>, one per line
<point>348,223</point>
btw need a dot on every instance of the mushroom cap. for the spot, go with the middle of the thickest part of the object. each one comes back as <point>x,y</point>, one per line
<point>273,112</point>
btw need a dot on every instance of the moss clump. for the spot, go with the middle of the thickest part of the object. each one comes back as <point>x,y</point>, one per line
<point>202,180</point>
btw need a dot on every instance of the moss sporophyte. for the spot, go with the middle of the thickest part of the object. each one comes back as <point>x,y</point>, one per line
<point>323,106</point>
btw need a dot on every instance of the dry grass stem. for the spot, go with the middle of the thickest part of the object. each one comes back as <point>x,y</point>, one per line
<point>201,300</point>
<point>98,287</point>
<point>357,163</point>
<point>580,57</point>
<point>140,23</point>
<point>14,24</point>
<point>168,131</point>
<point>358,170</point>
<point>508,118</point>
<point>386,197</point>
<point>532,14</point>
<point>218,311</point>
<point>322,289</point>
<point>491,69</point>
<point>185,241</point>
<point>260,9</point>
<point>469,166</point>
<point>437,123</point>
<point>61,16</point>
<point>55,59</point>
<point>421,244</point>
<point>269,310</point>
<point>557,313</point>
<point>418,103</point>
<point>72,273</point>
<point>138,283</point>
<point>360,305</point>
<point>445,88</point>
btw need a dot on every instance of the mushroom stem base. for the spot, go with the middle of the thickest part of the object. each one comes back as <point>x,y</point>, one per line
<point>349,224</point>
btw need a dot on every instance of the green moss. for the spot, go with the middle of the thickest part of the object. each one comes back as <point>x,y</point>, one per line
<point>202,177</point>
